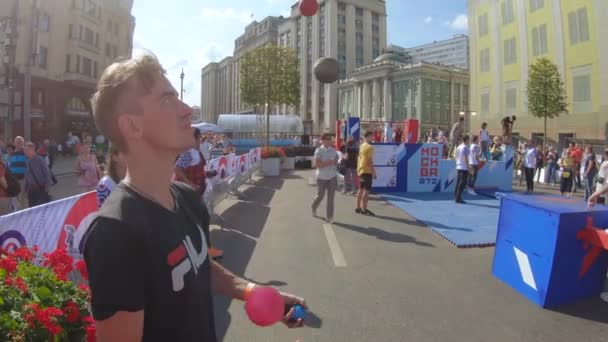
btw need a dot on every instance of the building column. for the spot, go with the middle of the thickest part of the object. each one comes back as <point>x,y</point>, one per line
<point>357,100</point>
<point>418,100</point>
<point>366,105</point>
<point>388,103</point>
<point>452,88</point>
<point>376,99</point>
<point>601,12</point>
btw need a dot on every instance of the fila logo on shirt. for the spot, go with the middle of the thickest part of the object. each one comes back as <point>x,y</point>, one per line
<point>185,258</point>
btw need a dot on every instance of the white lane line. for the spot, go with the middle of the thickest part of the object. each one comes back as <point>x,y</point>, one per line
<point>334,246</point>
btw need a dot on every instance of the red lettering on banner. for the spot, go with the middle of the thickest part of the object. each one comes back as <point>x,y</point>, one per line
<point>435,151</point>
<point>424,172</point>
<point>424,162</point>
<point>435,162</point>
<point>434,173</point>
<point>425,151</point>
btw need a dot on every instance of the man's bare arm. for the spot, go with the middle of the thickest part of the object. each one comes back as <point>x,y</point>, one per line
<point>121,327</point>
<point>227,283</point>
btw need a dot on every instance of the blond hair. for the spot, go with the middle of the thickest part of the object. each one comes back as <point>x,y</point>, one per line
<point>116,89</point>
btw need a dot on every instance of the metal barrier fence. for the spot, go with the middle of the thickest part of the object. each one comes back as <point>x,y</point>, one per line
<point>232,172</point>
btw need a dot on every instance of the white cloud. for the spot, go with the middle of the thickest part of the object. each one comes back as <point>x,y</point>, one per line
<point>243,16</point>
<point>460,22</point>
<point>428,20</point>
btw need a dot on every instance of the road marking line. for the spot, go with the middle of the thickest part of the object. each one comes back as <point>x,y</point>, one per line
<point>334,246</point>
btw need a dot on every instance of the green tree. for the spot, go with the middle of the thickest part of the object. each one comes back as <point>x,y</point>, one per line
<point>270,75</point>
<point>546,94</point>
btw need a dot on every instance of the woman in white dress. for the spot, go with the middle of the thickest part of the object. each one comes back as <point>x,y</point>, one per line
<point>116,171</point>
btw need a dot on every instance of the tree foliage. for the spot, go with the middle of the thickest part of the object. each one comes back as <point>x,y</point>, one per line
<point>270,74</point>
<point>545,90</point>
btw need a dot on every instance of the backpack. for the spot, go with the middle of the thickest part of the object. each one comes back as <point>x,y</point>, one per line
<point>14,188</point>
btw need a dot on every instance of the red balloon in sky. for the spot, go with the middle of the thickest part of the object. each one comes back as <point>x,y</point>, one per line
<point>308,8</point>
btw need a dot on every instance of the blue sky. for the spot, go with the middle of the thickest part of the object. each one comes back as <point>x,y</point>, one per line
<point>189,34</point>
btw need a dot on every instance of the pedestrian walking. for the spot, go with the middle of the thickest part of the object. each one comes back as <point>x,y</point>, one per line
<point>485,141</point>
<point>150,274</point>
<point>87,169</point>
<point>18,165</point>
<point>462,166</point>
<point>326,161</point>
<point>351,154</point>
<point>529,166</point>
<point>591,169</point>
<point>475,153</point>
<point>366,172</point>
<point>5,199</point>
<point>37,177</point>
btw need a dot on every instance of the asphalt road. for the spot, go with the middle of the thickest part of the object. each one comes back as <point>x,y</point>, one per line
<point>376,279</point>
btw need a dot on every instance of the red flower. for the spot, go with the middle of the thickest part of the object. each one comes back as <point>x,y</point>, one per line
<point>72,312</point>
<point>91,333</point>
<point>20,284</point>
<point>60,262</point>
<point>81,266</point>
<point>85,289</point>
<point>9,264</point>
<point>48,319</point>
<point>23,254</point>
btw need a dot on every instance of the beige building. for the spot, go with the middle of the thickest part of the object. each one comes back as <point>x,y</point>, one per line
<point>507,36</point>
<point>220,86</point>
<point>73,42</point>
<point>393,89</point>
<point>217,90</point>
<point>352,31</point>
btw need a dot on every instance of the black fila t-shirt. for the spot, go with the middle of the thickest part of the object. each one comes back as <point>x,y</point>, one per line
<point>141,256</point>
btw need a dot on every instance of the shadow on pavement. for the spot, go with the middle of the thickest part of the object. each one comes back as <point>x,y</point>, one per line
<point>472,202</point>
<point>259,195</point>
<point>275,183</point>
<point>593,310</point>
<point>384,235</point>
<point>247,220</point>
<point>247,217</point>
<point>312,320</point>
<point>411,222</point>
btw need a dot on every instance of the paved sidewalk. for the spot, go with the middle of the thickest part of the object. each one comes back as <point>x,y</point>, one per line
<point>384,278</point>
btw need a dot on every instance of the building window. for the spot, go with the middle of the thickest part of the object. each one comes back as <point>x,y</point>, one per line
<point>108,50</point>
<point>485,103</point>
<point>87,66</point>
<point>581,92</point>
<point>95,69</point>
<point>78,63</point>
<point>80,32</point>
<point>37,98</point>
<point>71,31</point>
<point>484,60</point>
<point>341,6</point>
<point>507,12</point>
<point>68,63</point>
<point>510,49</point>
<point>482,21</point>
<point>579,26</point>
<point>511,100</point>
<point>536,4</point>
<point>359,11</point>
<point>89,36</point>
<point>42,56</point>
<point>45,22</point>
<point>539,40</point>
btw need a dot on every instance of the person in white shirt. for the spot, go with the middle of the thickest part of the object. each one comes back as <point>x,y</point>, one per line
<point>529,166</point>
<point>473,164</point>
<point>462,166</point>
<point>485,140</point>
<point>205,148</point>
<point>326,160</point>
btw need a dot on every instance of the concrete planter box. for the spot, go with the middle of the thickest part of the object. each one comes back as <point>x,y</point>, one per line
<point>289,164</point>
<point>271,167</point>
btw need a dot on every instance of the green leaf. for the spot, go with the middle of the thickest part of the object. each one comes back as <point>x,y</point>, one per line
<point>2,273</point>
<point>1,301</point>
<point>43,292</point>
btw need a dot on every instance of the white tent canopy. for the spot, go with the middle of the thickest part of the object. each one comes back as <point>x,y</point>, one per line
<point>252,123</point>
<point>205,127</point>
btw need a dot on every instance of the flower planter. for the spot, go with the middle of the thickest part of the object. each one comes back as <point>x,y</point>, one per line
<point>271,167</point>
<point>289,163</point>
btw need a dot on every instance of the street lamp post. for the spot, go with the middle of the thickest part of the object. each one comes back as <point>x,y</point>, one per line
<point>181,90</point>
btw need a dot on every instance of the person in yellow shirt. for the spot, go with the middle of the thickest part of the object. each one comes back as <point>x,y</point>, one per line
<point>366,172</point>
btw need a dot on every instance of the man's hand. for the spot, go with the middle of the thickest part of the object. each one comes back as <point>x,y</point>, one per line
<point>292,300</point>
<point>592,200</point>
